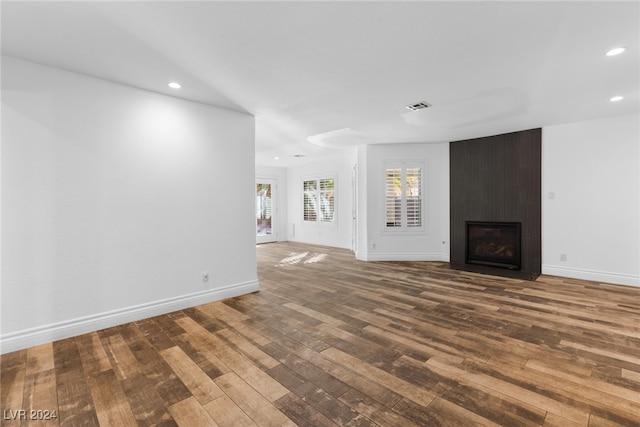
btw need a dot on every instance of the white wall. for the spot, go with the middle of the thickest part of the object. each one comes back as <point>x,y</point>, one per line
<point>433,243</point>
<point>280,176</point>
<point>591,200</point>
<point>338,233</point>
<point>362,223</point>
<point>114,201</point>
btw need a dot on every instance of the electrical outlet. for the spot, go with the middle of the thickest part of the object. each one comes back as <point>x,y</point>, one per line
<point>563,257</point>
<point>205,276</point>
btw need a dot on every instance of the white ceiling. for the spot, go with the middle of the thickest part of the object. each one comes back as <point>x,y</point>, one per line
<point>319,76</point>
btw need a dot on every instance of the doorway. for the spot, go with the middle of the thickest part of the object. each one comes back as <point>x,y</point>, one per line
<point>265,211</point>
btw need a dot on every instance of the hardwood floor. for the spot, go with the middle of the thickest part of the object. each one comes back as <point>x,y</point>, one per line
<point>334,341</point>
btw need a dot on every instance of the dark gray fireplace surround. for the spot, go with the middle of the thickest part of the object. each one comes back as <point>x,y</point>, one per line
<point>495,192</point>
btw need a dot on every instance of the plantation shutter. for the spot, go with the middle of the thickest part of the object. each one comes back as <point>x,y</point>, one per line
<point>327,200</point>
<point>413,188</point>
<point>394,197</point>
<point>310,212</point>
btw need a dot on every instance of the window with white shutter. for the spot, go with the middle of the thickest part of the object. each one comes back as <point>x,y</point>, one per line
<point>319,200</point>
<point>404,197</point>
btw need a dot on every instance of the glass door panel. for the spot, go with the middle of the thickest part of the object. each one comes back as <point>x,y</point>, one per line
<point>265,209</point>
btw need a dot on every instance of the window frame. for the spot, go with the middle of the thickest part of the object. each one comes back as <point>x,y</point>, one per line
<point>404,228</point>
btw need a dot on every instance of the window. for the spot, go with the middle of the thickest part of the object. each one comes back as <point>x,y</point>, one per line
<point>404,199</point>
<point>319,200</point>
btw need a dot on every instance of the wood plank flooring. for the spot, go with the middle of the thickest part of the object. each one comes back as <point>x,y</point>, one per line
<point>330,340</point>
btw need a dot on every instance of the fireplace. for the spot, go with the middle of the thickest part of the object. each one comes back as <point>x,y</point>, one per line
<point>495,244</point>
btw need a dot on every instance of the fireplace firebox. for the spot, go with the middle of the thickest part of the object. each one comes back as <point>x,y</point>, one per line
<point>495,244</point>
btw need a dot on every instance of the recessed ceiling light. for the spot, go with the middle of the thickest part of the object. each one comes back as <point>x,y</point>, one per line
<point>175,85</point>
<point>616,51</point>
<point>276,158</point>
<point>616,98</point>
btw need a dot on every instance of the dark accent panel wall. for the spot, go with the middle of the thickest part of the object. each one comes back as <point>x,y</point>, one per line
<point>498,178</point>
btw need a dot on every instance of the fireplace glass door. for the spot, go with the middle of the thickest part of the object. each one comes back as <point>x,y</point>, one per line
<point>495,244</point>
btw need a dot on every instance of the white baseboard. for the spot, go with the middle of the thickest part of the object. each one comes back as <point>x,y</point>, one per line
<point>73,327</point>
<point>594,275</point>
<point>368,256</point>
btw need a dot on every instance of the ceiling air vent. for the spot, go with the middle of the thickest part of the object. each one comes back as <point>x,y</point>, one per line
<point>417,106</point>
